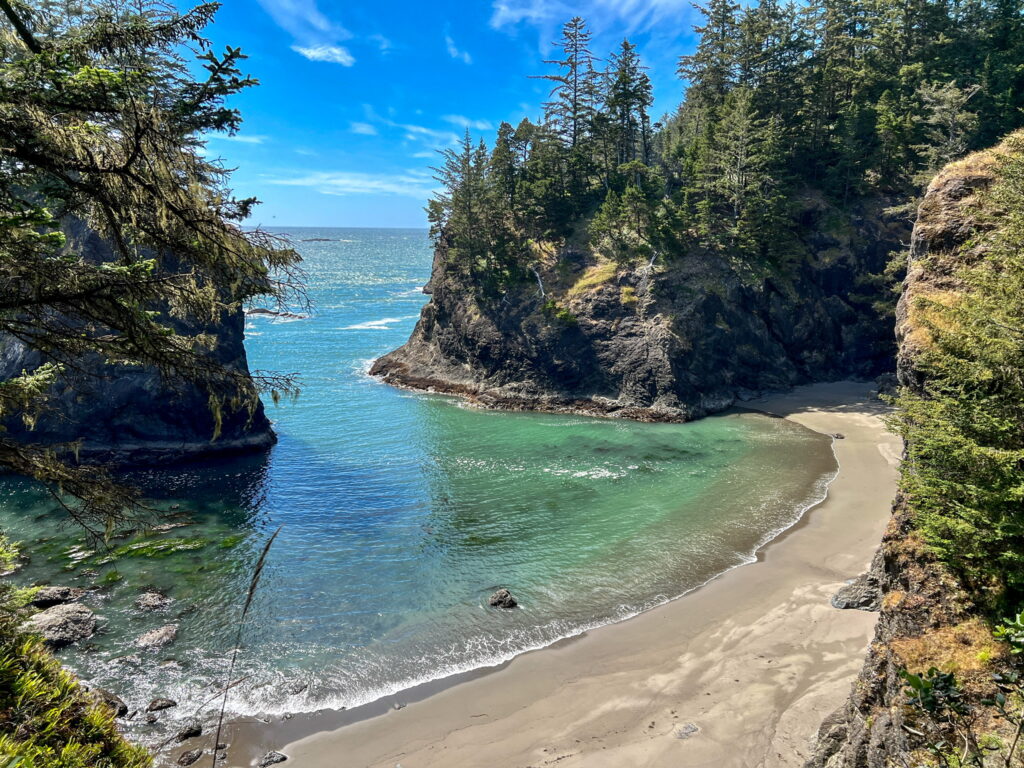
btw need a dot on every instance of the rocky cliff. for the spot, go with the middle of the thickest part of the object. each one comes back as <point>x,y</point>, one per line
<point>675,340</point>
<point>926,619</point>
<point>129,416</point>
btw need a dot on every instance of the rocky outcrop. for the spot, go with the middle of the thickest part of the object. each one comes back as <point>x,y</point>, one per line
<point>47,597</point>
<point>62,625</point>
<point>924,611</point>
<point>670,342</point>
<point>128,415</point>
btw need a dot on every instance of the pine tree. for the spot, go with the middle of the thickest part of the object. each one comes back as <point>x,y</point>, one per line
<point>713,69</point>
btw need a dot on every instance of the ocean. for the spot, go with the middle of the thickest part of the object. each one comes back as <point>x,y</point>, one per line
<point>400,514</point>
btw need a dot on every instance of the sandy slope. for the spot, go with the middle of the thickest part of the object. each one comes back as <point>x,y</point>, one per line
<point>739,673</point>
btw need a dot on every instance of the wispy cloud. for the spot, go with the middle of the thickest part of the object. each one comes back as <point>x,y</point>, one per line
<point>383,44</point>
<point>304,20</point>
<point>432,138</point>
<point>465,122</point>
<point>455,52</point>
<point>341,183</point>
<point>631,15</point>
<point>363,129</point>
<point>334,54</point>
<point>241,139</point>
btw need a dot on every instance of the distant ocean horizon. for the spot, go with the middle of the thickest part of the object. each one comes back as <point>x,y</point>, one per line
<point>402,513</point>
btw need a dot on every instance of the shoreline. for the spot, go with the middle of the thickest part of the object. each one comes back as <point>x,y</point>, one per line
<point>537,708</point>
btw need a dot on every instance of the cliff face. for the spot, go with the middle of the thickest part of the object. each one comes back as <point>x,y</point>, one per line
<point>670,342</point>
<point>924,611</point>
<point>128,416</point>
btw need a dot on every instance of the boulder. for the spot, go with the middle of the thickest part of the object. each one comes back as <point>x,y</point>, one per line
<point>47,597</point>
<point>189,730</point>
<point>158,705</point>
<point>62,625</point>
<point>158,638</point>
<point>272,758</point>
<point>105,698</point>
<point>192,756</point>
<point>152,601</point>
<point>503,599</point>
<point>863,594</point>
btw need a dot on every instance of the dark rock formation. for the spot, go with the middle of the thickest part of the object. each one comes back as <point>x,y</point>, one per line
<point>47,597</point>
<point>192,756</point>
<point>272,758</point>
<point>863,593</point>
<point>62,625</point>
<point>126,415</point>
<point>503,599</point>
<point>158,705</point>
<point>190,730</point>
<point>668,343</point>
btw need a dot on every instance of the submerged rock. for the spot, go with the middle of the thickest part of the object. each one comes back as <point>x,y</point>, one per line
<point>62,625</point>
<point>503,599</point>
<point>152,601</point>
<point>192,756</point>
<point>158,638</point>
<point>272,758</point>
<point>110,700</point>
<point>158,705</point>
<point>47,597</point>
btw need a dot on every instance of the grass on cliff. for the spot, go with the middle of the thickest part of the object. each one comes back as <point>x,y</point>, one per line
<point>597,275</point>
<point>46,719</point>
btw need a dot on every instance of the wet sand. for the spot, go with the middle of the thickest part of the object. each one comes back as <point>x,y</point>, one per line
<point>738,673</point>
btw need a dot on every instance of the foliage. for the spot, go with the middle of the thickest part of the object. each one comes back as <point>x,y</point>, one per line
<point>846,98</point>
<point>46,719</point>
<point>964,469</point>
<point>1011,630</point>
<point>103,123</point>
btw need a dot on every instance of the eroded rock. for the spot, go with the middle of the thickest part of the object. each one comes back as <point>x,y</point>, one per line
<point>503,599</point>
<point>62,625</point>
<point>158,638</point>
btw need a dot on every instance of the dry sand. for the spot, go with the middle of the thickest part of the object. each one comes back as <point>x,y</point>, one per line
<point>739,673</point>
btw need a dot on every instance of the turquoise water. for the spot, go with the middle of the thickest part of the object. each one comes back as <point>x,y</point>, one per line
<point>401,513</point>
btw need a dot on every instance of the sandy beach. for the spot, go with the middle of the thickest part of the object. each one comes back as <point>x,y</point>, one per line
<point>738,673</point>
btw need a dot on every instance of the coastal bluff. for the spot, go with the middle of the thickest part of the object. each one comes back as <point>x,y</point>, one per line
<point>671,340</point>
<point>124,415</point>
<point>923,604</point>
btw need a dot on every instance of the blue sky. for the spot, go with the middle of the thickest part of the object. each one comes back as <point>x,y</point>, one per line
<point>356,97</point>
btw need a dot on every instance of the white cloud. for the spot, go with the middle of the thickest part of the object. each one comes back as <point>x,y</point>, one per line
<point>425,155</point>
<point>334,54</point>
<point>410,184</point>
<point>603,15</point>
<point>363,129</point>
<point>240,139</point>
<point>465,122</point>
<point>454,51</point>
<point>304,20</point>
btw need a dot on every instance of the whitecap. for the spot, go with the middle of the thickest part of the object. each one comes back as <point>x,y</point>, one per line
<point>383,324</point>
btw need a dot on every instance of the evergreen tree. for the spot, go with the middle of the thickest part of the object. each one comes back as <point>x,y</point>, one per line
<point>102,123</point>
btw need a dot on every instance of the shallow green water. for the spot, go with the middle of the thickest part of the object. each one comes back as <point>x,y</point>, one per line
<point>402,513</point>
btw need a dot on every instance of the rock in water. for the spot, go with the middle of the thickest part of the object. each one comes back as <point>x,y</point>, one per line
<point>62,625</point>
<point>272,758</point>
<point>152,601</point>
<point>157,705</point>
<point>503,599</point>
<point>158,638</point>
<point>190,730</point>
<point>47,597</point>
<point>192,756</point>
<point>111,700</point>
